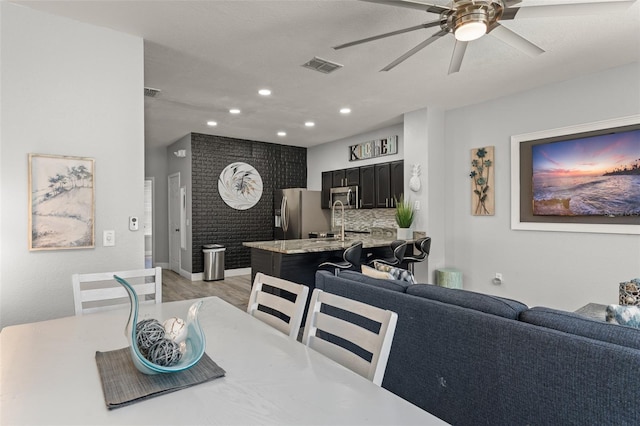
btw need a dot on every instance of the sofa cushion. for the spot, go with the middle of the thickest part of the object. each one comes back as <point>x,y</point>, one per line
<point>395,273</point>
<point>580,325</point>
<point>624,315</point>
<point>494,305</point>
<point>394,285</point>
<point>374,273</point>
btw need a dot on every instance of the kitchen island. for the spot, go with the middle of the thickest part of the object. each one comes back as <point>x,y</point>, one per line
<point>298,260</point>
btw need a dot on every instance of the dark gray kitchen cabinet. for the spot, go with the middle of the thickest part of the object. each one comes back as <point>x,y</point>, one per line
<point>382,174</point>
<point>325,197</point>
<point>338,178</point>
<point>367,187</point>
<point>352,176</point>
<point>396,181</point>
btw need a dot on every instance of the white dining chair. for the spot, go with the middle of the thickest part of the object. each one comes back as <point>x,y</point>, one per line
<point>100,291</point>
<point>377,344</point>
<point>276,304</point>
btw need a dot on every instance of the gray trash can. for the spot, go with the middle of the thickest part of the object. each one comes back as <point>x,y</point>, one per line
<point>213,262</point>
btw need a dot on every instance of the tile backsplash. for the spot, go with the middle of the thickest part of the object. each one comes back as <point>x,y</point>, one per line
<point>366,219</point>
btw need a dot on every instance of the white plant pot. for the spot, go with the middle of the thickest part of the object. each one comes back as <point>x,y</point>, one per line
<point>405,233</point>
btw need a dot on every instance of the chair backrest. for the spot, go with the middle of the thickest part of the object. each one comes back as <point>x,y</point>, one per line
<point>100,291</point>
<point>399,247</point>
<point>353,254</point>
<point>275,304</point>
<point>424,245</point>
<point>377,344</point>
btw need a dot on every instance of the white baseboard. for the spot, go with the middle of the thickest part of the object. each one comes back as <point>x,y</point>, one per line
<point>199,276</point>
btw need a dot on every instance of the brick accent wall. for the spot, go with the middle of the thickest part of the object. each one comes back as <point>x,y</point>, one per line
<point>213,221</point>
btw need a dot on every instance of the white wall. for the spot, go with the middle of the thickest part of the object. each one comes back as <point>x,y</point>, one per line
<point>424,145</point>
<point>557,269</point>
<point>335,155</point>
<point>67,89</point>
<point>155,165</point>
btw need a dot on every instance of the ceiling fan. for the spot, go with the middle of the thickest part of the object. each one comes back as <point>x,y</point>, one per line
<point>469,20</point>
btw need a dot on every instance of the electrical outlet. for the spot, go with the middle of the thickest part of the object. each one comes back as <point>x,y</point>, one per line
<point>416,205</point>
<point>497,279</point>
<point>109,238</point>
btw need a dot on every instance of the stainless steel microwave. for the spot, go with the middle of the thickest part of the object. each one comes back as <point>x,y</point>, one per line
<point>348,195</point>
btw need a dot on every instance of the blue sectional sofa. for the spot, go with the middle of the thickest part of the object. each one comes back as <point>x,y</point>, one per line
<point>476,359</point>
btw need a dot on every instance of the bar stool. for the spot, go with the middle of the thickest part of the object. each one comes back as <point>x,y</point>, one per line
<point>423,245</point>
<point>350,259</point>
<point>398,247</point>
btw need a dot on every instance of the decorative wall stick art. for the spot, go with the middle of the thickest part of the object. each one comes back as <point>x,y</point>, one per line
<point>482,190</point>
<point>61,202</point>
<point>414,182</point>
<point>240,186</point>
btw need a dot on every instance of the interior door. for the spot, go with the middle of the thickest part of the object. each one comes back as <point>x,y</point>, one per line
<point>174,222</point>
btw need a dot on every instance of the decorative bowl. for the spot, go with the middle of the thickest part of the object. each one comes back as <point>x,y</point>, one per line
<point>195,341</point>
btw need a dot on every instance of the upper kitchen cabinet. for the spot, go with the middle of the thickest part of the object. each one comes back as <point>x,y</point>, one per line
<point>338,178</point>
<point>397,181</point>
<point>379,184</point>
<point>382,185</point>
<point>352,176</point>
<point>325,198</point>
<point>367,187</point>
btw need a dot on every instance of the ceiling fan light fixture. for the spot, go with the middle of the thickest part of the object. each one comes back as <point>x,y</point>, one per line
<point>470,31</point>
<point>470,24</point>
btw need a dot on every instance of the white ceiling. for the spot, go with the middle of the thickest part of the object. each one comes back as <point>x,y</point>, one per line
<point>209,56</point>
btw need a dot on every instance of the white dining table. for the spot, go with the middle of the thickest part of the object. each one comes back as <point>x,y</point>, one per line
<point>48,376</point>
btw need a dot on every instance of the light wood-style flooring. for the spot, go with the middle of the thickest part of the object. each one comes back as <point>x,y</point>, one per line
<point>234,290</point>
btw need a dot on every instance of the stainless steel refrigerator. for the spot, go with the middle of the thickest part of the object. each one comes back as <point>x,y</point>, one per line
<point>298,211</point>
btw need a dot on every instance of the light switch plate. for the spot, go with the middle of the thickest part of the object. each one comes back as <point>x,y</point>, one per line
<point>109,238</point>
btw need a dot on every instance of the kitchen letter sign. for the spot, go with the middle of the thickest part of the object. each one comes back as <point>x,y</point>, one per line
<point>374,148</point>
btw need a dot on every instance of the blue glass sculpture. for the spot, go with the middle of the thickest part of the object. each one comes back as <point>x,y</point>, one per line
<point>195,342</point>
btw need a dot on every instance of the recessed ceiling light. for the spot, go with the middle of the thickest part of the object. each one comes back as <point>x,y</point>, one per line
<point>212,123</point>
<point>309,124</point>
<point>345,110</point>
<point>234,111</point>
<point>264,92</point>
<point>281,133</point>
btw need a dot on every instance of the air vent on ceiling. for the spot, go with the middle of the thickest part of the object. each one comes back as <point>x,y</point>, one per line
<point>150,92</point>
<point>322,65</point>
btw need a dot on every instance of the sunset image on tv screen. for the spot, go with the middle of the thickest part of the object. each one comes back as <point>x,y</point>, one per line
<point>590,176</point>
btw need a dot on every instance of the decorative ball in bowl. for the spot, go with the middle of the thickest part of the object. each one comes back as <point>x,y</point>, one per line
<point>175,345</point>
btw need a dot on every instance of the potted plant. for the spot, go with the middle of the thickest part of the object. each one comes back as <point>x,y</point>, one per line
<point>404,218</point>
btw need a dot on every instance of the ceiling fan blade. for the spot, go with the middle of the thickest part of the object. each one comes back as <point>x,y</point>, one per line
<point>458,54</point>
<point>415,50</point>
<point>575,9</point>
<point>413,4</point>
<point>392,33</point>
<point>512,39</point>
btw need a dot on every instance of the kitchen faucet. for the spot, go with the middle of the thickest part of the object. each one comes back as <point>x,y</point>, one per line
<point>333,218</point>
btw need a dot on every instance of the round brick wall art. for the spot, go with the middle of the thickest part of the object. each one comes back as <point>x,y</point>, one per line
<point>240,186</point>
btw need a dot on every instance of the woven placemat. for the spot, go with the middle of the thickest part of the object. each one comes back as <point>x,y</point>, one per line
<point>123,384</point>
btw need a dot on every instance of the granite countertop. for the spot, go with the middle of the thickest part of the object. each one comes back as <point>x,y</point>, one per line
<point>311,245</point>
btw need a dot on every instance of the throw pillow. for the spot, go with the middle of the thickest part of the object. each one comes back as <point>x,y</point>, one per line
<point>624,315</point>
<point>396,273</point>
<point>374,273</point>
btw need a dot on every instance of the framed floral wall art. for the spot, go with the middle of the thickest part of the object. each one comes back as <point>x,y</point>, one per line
<point>61,202</point>
<point>482,179</point>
